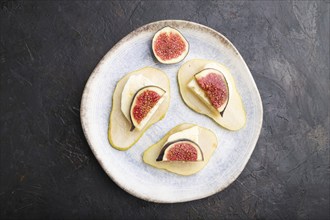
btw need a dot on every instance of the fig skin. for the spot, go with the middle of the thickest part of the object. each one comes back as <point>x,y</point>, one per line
<point>161,154</point>
<point>133,101</point>
<point>169,29</point>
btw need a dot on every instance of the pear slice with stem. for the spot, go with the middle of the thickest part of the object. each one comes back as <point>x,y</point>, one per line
<point>119,134</point>
<point>207,141</point>
<point>234,117</point>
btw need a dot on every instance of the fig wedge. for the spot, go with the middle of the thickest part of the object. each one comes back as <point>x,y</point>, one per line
<point>207,141</point>
<point>169,46</point>
<point>144,105</point>
<point>213,91</point>
<point>181,150</point>
<point>234,116</point>
<point>119,134</point>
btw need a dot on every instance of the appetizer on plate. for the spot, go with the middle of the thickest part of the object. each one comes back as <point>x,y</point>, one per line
<point>141,98</point>
<point>208,88</point>
<point>184,150</point>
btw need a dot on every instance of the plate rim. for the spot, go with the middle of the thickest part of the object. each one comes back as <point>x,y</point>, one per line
<point>85,98</point>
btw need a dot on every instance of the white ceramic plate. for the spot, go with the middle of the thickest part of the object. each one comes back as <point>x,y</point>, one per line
<point>126,168</point>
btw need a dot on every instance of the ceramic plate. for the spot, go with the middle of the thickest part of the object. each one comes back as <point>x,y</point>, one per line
<point>126,168</point>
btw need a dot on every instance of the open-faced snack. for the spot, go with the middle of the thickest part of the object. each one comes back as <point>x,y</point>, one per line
<point>208,88</point>
<point>169,46</point>
<point>141,98</point>
<point>184,150</point>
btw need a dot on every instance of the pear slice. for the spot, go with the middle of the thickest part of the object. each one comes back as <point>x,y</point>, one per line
<point>234,117</point>
<point>119,134</point>
<point>169,46</point>
<point>207,141</point>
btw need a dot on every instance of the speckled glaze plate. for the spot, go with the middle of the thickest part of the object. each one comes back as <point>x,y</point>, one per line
<point>126,168</point>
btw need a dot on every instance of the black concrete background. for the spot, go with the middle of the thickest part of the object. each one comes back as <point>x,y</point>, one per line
<point>48,50</point>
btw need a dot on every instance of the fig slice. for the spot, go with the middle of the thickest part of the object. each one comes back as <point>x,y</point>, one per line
<point>215,87</point>
<point>132,85</point>
<point>233,116</point>
<point>206,141</point>
<point>181,150</point>
<point>169,46</point>
<point>144,104</point>
<point>119,134</point>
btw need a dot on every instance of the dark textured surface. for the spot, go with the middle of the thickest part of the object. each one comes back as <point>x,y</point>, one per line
<point>48,51</point>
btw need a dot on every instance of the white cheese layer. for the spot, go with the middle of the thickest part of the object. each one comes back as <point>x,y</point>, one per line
<point>190,133</point>
<point>133,84</point>
<point>193,85</point>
